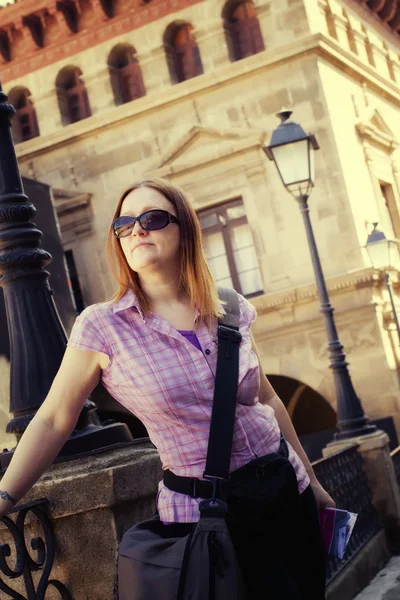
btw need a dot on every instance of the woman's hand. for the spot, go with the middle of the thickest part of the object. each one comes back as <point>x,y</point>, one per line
<point>321,496</point>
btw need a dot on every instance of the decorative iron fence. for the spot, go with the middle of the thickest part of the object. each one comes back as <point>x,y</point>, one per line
<point>343,477</point>
<point>31,534</point>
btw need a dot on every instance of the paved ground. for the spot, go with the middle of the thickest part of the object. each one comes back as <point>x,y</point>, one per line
<point>386,585</point>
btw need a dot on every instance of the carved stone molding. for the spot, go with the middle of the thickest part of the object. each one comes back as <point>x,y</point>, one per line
<point>373,129</point>
<point>106,25</point>
<point>102,9</point>
<point>387,11</point>
<point>356,336</point>
<point>345,283</point>
<point>74,212</point>
<point>36,24</point>
<point>202,145</point>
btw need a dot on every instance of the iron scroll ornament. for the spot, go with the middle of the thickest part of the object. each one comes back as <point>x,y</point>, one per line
<point>24,564</point>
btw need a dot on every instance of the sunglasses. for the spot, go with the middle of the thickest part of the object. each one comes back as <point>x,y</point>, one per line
<point>152,220</point>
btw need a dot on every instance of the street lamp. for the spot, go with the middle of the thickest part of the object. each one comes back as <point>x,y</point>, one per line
<point>292,151</point>
<point>384,257</point>
<point>37,337</point>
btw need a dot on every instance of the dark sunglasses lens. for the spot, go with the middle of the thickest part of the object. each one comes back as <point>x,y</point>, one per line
<point>123,226</point>
<point>154,219</point>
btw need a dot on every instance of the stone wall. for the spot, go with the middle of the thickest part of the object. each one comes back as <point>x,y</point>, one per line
<point>92,502</point>
<point>332,61</point>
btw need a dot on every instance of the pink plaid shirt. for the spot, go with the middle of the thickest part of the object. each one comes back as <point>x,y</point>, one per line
<point>169,384</point>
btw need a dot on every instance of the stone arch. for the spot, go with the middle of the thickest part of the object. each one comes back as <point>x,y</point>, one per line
<point>125,74</point>
<point>242,29</point>
<point>72,96</point>
<point>182,51</point>
<point>24,125</point>
<point>309,410</point>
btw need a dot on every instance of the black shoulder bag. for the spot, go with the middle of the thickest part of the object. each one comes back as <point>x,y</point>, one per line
<point>203,564</point>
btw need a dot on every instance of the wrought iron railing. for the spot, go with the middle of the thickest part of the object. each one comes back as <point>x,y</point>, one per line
<point>343,477</point>
<point>396,462</point>
<point>27,554</point>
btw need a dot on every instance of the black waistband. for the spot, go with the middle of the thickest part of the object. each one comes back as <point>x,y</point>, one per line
<point>199,488</point>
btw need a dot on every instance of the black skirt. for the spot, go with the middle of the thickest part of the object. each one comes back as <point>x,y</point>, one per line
<point>280,552</point>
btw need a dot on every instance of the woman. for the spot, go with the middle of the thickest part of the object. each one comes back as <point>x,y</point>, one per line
<point>154,348</point>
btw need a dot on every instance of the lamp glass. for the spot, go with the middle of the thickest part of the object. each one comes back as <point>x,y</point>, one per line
<point>379,254</point>
<point>292,161</point>
<point>384,254</point>
<point>393,251</point>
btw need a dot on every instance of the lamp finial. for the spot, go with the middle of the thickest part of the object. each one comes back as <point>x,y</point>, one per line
<point>284,114</point>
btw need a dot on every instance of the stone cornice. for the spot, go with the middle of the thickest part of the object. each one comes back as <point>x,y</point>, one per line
<point>20,16</point>
<point>308,293</point>
<point>387,11</point>
<point>66,203</point>
<point>331,50</point>
<point>17,16</point>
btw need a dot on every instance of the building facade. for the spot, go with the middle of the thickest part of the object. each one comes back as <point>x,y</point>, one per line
<point>110,91</point>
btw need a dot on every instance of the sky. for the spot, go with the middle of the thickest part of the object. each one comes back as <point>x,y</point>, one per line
<point>4,2</point>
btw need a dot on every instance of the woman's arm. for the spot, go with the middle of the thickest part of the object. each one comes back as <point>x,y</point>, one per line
<point>53,423</point>
<point>269,396</point>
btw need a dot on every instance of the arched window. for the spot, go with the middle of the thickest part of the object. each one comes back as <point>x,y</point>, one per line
<point>183,53</point>
<point>72,96</point>
<point>25,126</point>
<point>243,30</point>
<point>126,76</point>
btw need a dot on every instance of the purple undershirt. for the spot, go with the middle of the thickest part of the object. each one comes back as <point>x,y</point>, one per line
<point>192,338</point>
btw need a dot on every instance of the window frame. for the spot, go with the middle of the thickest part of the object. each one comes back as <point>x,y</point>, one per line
<point>72,95</point>
<point>131,73</point>
<point>184,56</point>
<point>221,210</point>
<point>244,28</point>
<point>26,109</point>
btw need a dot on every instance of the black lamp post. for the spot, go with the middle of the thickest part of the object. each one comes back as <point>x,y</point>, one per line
<point>384,256</point>
<point>37,337</point>
<point>292,150</point>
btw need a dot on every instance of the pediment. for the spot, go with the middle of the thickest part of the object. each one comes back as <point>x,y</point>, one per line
<point>201,145</point>
<point>373,127</point>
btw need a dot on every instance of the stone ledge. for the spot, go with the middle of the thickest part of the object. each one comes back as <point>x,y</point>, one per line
<point>386,585</point>
<point>105,480</point>
<point>361,569</point>
<point>92,502</point>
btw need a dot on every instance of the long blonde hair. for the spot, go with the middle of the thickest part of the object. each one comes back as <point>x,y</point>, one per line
<point>195,276</point>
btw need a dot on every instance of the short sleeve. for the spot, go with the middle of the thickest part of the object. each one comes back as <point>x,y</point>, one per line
<point>86,334</point>
<point>248,313</point>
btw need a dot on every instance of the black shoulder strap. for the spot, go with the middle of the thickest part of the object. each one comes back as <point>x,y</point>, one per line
<point>225,392</point>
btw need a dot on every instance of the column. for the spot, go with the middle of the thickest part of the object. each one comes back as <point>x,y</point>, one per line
<point>48,112</point>
<point>212,44</point>
<point>154,68</point>
<point>360,39</point>
<point>379,55</point>
<point>99,90</point>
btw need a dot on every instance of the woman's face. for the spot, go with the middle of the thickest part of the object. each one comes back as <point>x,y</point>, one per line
<point>150,250</point>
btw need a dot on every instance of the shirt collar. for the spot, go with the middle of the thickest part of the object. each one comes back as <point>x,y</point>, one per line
<point>128,300</point>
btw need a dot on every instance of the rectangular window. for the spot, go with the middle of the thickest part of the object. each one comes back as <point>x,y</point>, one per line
<point>389,219</point>
<point>229,247</point>
<point>25,124</point>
